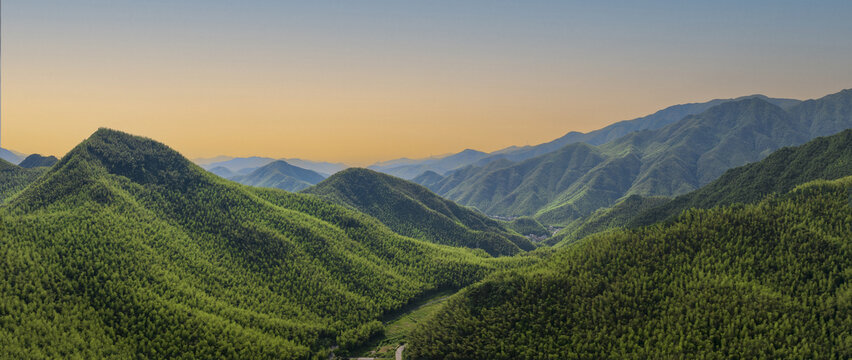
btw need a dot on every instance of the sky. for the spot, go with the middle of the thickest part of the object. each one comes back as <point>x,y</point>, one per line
<point>364,81</point>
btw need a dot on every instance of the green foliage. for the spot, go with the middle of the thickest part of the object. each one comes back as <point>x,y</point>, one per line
<point>412,210</point>
<point>767,280</point>
<point>126,249</point>
<point>572,182</point>
<point>14,178</point>
<point>36,160</point>
<point>279,175</point>
<point>613,217</point>
<point>528,226</point>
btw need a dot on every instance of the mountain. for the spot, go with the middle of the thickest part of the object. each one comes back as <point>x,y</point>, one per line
<point>36,160</point>
<point>574,181</point>
<point>236,164</point>
<point>243,166</point>
<point>325,169</point>
<point>222,172</point>
<point>428,179</point>
<point>13,157</point>
<point>411,169</point>
<point>14,178</point>
<point>280,175</point>
<point>414,211</point>
<point>609,133</point>
<point>529,226</point>
<point>127,249</point>
<point>767,280</point>
<point>207,161</point>
<point>826,158</point>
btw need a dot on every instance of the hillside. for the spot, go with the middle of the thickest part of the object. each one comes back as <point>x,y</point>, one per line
<point>126,249</point>
<point>36,160</point>
<point>11,156</point>
<point>414,211</point>
<point>564,185</point>
<point>280,175</point>
<point>14,178</point>
<point>768,280</point>
<point>825,158</point>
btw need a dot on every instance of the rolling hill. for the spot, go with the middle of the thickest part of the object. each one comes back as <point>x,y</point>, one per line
<point>126,249</point>
<point>413,168</point>
<point>414,211</point>
<point>767,280</point>
<point>36,160</point>
<point>280,175</point>
<point>572,182</point>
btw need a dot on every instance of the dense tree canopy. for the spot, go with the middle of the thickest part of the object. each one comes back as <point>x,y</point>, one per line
<point>126,249</point>
<point>769,280</point>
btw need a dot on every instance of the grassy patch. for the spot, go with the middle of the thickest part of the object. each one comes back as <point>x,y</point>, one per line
<point>397,329</point>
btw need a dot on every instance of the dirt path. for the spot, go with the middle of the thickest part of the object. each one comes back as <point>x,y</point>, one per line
<point>399,352</point>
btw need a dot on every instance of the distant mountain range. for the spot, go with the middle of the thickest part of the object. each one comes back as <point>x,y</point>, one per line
<point>409,168</point>
<point>11,156</point>
<point>280,175</point>
<point>577,179</point>
<point>243,166</point>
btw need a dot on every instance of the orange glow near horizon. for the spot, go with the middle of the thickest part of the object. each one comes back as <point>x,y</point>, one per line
<point>366,85</point>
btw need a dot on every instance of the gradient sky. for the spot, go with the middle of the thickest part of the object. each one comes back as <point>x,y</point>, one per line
<point>361,81</point>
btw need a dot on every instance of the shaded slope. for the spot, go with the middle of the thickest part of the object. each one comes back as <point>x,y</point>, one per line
<point>125,248</point>
<point>14,178</point>
<point>280,175</point>
<point>412,210</point>
<point>428,179</point>
<point>36,160</point>
<point>757,281</point>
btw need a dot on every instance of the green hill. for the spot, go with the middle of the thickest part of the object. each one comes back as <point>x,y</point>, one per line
<point>574,181</point>
<point>126,249</point>
<point>14,178</point>
<point>412,210</point>
<point>36,160</point>
<point>767,280</point>
<point>280,175</point>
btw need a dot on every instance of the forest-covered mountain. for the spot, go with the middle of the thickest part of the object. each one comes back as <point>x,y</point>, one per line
<point>280,175</point>
<point>578,179</point>
<point>827,158</point>
<point>37,160</point>
<point>14,178</point>
<point>126,249</point>
<point>412,210</point>
<point>766,280</point>
<point>411,168</point>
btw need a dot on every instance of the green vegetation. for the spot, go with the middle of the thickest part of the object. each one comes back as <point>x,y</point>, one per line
<point>279,175</point>
<point>766,280</point>
<point>412,210</point>
<point>36,160</point>
<point>126,249</point>
<point>617,216</point>
<point>822,158</point>
<point>574,181</point>
<point>14,178</point>
<point>397,329</point>
<point>528,226</point>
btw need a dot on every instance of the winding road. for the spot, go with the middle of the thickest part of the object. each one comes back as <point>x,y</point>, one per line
<point>399,352</point>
